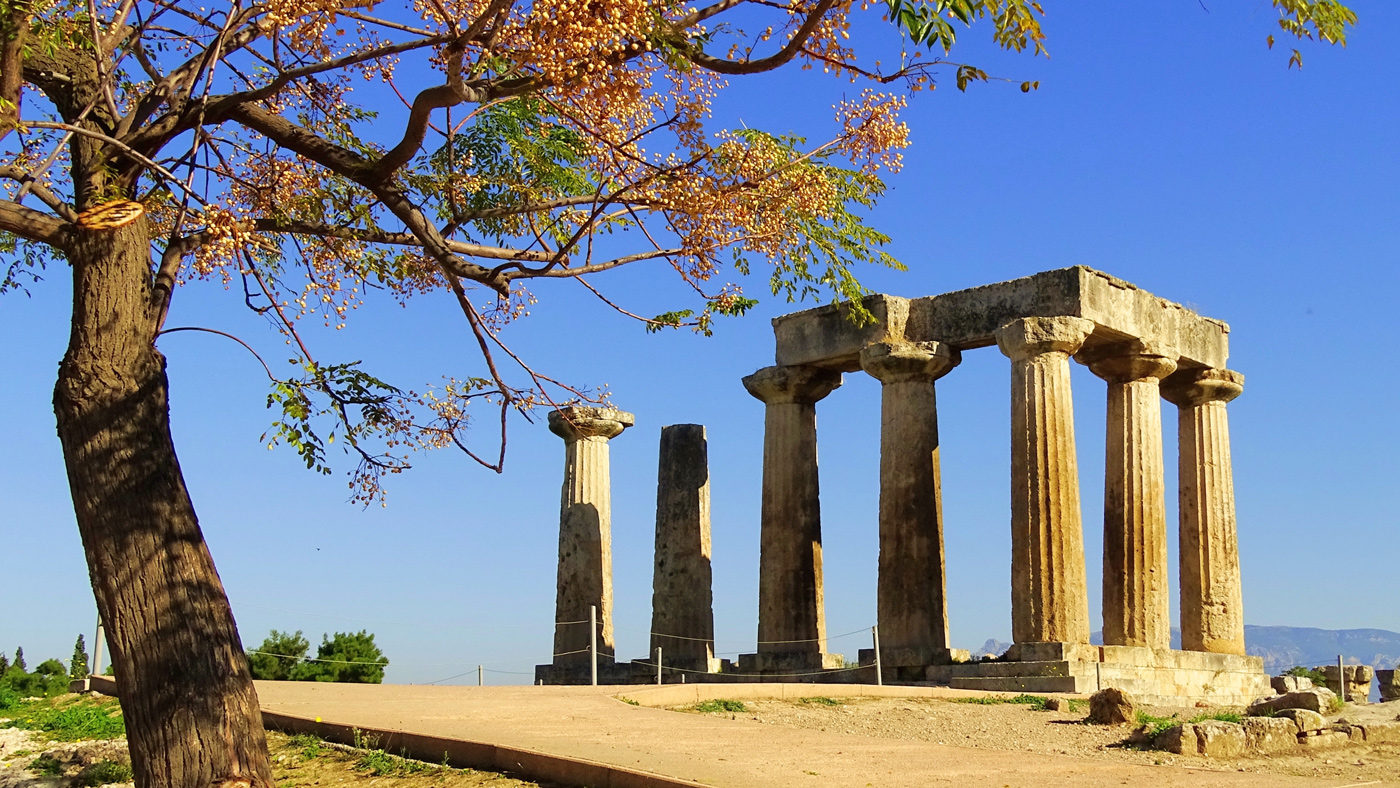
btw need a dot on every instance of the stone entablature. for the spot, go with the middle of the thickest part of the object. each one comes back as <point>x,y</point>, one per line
<point>968,319</point>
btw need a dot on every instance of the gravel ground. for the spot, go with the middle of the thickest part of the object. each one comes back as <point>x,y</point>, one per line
<point>1015,727</point>
<point>19,748</point>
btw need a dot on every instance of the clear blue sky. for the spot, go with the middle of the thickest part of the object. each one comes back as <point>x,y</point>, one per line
<point>1166,146</point>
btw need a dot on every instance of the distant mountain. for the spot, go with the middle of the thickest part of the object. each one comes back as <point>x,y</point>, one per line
<point>1284,647</point>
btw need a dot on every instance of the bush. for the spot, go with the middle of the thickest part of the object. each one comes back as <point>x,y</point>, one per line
<point>1308,673</point>
<point>347,657</point>
<point>9,699</point>
<point>103,773</point>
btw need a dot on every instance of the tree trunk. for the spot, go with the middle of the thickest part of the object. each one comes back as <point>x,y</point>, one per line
<point>191,711</point>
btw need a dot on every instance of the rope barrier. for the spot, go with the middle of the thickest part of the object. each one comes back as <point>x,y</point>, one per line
<point>332,661</point>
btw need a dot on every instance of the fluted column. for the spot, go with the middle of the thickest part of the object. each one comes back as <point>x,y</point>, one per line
<point>791,617</point>
<point>912,605</point>
<point>1049,595</point>
<point>682,612</point>
<point>585,529</point>
<point>1136,594</point>
<point>1212,614</point>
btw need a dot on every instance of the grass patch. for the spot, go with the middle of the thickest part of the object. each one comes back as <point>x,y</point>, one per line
<point>1155,725</point>
<point>1036,702</point>
<point>305,761</point>
<point>103,773</point>
<point>1336,704</point>
<point>1222,716</point>
<point>307,745</point>
<point>628,700</point>
<point>383,764</point>
<point>717,706</point>
<point>74,719</point>
<point>819,701</point>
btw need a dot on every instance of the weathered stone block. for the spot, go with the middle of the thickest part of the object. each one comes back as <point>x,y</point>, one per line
<point>1218,739</point>
<point>1355,733</point>
<point>1180,739</point>
<point>1304,721</point>
<point>1286,684</point>
<point>1358,682</point>
<point>827,336</point>
<point>1381,732</point>
<point>1111,706</point>
<point>1318,699</point>
<point>1389,684</point>
<point>1270,734</point>
<point>1321,740</point>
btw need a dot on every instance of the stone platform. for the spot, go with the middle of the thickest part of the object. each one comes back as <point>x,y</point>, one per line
<point>1154,676</point>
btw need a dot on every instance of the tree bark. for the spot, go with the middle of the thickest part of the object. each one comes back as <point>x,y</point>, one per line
<point>187,694</point>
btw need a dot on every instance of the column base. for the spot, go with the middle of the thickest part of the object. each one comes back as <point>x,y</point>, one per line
<point>790,662</point>
<point>913,656</point>
<point>1051,652</point>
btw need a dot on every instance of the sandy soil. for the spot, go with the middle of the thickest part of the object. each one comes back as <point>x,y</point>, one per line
<point>1015,727</point>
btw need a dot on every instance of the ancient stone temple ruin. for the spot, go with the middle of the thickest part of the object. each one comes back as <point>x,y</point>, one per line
<point>1143,347</point>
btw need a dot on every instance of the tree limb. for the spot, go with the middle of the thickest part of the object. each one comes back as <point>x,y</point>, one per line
<point>782,57</point>
<point>33,225</point>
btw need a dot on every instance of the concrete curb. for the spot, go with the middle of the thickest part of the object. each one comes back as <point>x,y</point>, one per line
<point>527,764</point>
<point>460,753</point>
<point>687,694</point>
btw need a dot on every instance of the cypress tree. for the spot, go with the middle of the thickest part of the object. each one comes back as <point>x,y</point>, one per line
<point>78,668</point>
<point>19,658</point>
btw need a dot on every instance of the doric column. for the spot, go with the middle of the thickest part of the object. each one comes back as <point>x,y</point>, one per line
<point>912,605</point>
<point>1212,614</point>
<point>585,529</point>
<point>1136,595</point>
<point>1049,595</point>
<point>791,618</point>
<point>682,612</point>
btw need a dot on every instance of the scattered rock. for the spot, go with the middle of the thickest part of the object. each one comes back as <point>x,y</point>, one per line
<point>1217,739</point>
<point>1358,682</point>
<point>1390,686</point>
<point>1180,739</point>
<point>1270,734</point>
<point>1111,706</point>
<point>1056,704</point>
<point>1304,721</point>
<point>1286,684</point>
<point>1319,740</point>
<point>1377,732</point>
<point>1318,699</point>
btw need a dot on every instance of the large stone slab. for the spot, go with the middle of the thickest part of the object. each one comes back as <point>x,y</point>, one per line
<point>827,337</point>
<point>1270,734</point>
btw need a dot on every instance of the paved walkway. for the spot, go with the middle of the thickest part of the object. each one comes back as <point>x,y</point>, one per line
<point>588,722</point>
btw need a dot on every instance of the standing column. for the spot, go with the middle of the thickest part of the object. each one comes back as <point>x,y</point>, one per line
<point>585,530</point>
<point>682,612</point>
<point>1049,594</point>
<point>1212,614</point>
<point>912,603</point>
<point>791,618</point>
<point>1136,596</point>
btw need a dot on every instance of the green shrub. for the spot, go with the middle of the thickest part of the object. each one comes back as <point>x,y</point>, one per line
<point>1307,673</point>
<point>1222,716</point>
<point>1036,702</point>
<point>278,656</point>
<point>1155,725</point>
<point>819,701</point>
<point>46,766</point>
<point>103,773</point>
<point>715,706</point>
<point>309,744</point>
<point>9,699</point>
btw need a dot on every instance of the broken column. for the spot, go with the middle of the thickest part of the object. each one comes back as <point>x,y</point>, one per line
<point>911,601</point>
<point>682,613</point>
<point>791,619</point>
<point>1136,597</point>
<point>585,532</point>
<point>1212,616</point>
<point>1049,595</point>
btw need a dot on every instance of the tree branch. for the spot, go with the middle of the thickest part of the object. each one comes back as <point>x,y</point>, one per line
<point>33,225</point>
<point>782,57</point>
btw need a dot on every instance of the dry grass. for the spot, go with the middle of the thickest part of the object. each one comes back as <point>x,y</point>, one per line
<point>307,762</point>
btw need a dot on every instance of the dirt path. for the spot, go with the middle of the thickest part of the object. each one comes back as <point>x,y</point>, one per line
<point>1019,728</point>
<point>587,722</point>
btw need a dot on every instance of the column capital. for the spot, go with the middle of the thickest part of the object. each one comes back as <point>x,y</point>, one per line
<point>1188,388</point>
<point>1125,362</point>
<point>795,384</point>
<point>894,362</point>
<point>576,422</point>
<point>1028,337</point>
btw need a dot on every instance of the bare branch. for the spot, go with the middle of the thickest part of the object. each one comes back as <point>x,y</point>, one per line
<point>782,57</point>
<point>33,225</point>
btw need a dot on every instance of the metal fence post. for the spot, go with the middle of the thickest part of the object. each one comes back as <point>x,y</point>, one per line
<point>658,664</point>
<point>480,677</point>
<point>97,642</point>
<point>593,640</point>
<point>879,666</point>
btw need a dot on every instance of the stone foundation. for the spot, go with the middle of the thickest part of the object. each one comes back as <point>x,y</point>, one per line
<point>1152,676</point>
